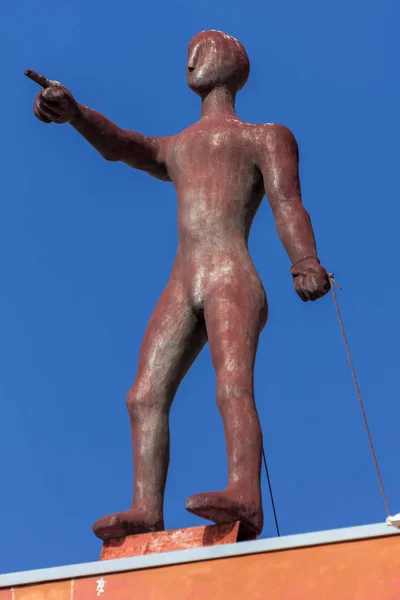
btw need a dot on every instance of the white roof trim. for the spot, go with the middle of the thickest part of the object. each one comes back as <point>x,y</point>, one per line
<point>197,554</point>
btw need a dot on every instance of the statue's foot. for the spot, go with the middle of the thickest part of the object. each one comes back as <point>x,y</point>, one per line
<point>227,506</point>
<point>126,523</point>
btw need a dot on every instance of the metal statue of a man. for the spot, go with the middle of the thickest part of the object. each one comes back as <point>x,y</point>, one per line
<point>221,168</point>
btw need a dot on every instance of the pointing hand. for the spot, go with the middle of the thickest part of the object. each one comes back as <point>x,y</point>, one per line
<point>54,104</point>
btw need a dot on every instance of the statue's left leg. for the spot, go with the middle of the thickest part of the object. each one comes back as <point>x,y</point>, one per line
<point>235,313</point>
<point>173,339</point>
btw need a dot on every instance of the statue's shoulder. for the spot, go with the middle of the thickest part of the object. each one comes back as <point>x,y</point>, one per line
<point>269,136</point>
<point>273,130</point>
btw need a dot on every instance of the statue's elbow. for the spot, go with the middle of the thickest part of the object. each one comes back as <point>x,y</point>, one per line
<point>111,150</point>
<point>110,156</point>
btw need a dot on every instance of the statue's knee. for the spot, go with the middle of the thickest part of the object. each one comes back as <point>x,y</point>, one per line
<point>136,401</point>
<point>141,401</point>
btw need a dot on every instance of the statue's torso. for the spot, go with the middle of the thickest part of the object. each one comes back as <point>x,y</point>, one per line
<point>219,186</point>
<point>219,189</point>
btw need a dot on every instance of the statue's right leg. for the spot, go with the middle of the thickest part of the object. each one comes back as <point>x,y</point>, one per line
<point>173,339</point>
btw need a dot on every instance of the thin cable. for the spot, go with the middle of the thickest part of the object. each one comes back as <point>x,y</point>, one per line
<point>271,494</point>
<point>333,283</point>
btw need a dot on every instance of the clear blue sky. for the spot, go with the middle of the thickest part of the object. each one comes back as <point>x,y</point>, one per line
<point>86,247</point>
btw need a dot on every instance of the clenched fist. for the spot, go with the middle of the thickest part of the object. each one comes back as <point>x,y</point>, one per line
<point>54,104</point>
<point>311,281</point>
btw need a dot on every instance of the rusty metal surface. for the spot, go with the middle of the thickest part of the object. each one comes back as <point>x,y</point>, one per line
<point>221,168</point>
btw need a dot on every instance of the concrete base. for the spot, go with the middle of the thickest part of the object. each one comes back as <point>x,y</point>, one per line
<point>176,539</point>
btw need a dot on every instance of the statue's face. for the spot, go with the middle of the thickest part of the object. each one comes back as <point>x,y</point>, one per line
<point>216,59</point>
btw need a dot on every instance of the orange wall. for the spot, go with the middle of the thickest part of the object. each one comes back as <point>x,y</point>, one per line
<point>361,570</point>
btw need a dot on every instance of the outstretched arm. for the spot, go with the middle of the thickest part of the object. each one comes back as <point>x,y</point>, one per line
<point>56,104</point>
<point>278,161</point>
<point>116,144</point>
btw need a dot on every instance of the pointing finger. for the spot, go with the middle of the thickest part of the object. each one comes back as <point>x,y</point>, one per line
<point>38,78</point>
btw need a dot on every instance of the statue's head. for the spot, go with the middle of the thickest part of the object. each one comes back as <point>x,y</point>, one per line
<point>216,59</point>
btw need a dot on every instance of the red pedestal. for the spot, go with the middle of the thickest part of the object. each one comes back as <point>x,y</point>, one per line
<point>176,539</point>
